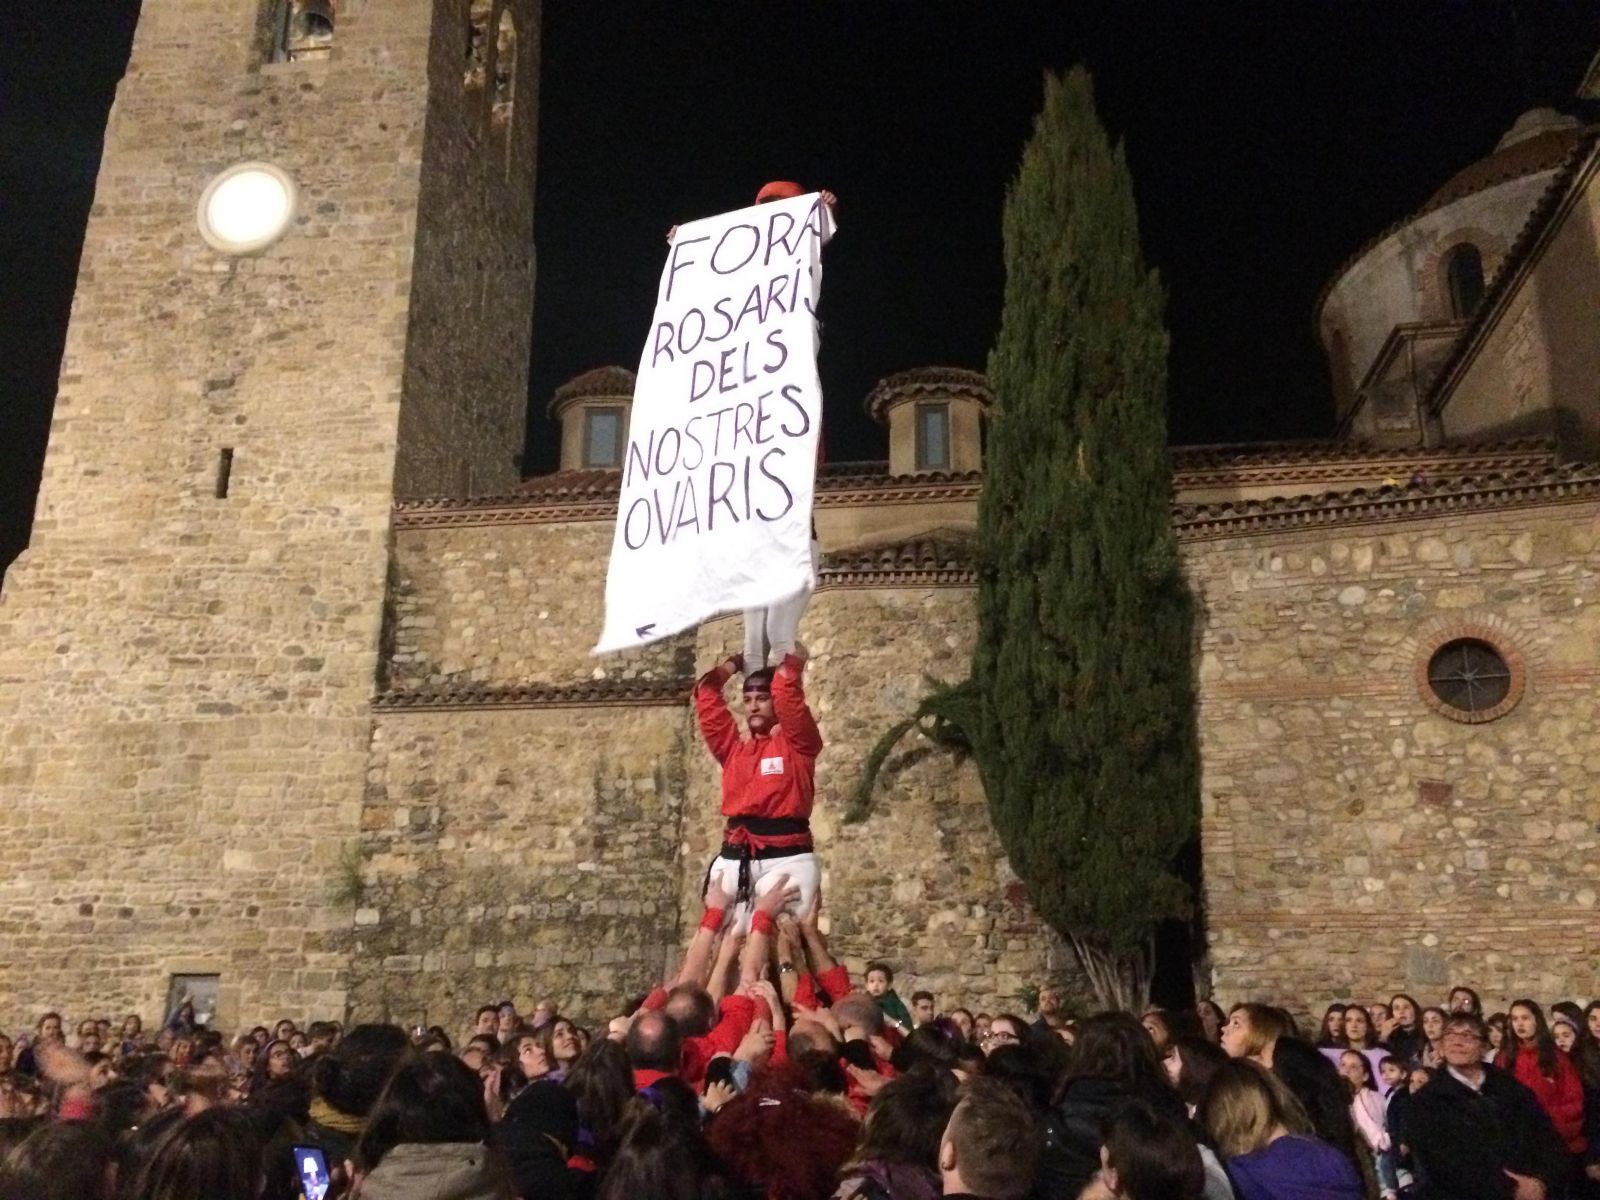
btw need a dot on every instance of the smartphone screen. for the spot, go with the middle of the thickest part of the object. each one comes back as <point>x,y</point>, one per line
<point>313,1170</point>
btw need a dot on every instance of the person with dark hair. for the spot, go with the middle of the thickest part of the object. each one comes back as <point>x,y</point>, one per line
<point>1113,1064</point>
<point>962,1018</point>
<point>1533,1059</point>
<point>1464,1000</point>
<point>346,1082</point>
<point>1212,1018</point>
<point>487,1020</point>
<point>880,986</point>
<point>61,1160</point>
<point>539,1134</point>
<point>922,1008</point>
<point>1370,1115</point>
<point>1402,1033</point>
<point>1190,1063</point>
<point>1020,1070</point>
<point>768,782</point>
<point>991,1147</point>
<point>661,1152</point>
<point>1266,1138</point>
<point>1007,1029</point>
<point>1430,1053</point>
<point>1331,1033</point>
<point>898,1157</point>
<point>601,1082</point>
<point>1147,1156</point>
<point>932,1044</point>
<point>427,1135</point>
<point>1475,1133</point>
<point>1315,1083</point>
<point>213,1155</point>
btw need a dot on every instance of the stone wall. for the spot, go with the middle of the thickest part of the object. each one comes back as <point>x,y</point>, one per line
<point>1358,842</point>
<point>491,605</point>
<point>516,852</point>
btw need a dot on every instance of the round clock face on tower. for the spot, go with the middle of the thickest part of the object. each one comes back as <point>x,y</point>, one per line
<point>247,207</point>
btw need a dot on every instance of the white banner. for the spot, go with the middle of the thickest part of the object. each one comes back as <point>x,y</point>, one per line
<point>717,482</point>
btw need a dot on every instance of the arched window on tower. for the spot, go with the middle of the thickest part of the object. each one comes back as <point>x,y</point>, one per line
<point>478,14</point>
<point>505,71</point>
<point>302,30</point>
<point>1463,273</point>
<point>1344,387</point>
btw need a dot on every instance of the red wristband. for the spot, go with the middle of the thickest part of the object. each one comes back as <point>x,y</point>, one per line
<point>713,919</point>
<point>762,922</point>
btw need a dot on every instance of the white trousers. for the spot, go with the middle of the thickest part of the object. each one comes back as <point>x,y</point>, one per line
<point>801,869</point>
<point>771,630</point>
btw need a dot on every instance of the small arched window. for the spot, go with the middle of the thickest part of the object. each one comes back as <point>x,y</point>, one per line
<point>478,13</point>
<point>1463,272</point>
<point>1344,387</point>
<point>505,69</point>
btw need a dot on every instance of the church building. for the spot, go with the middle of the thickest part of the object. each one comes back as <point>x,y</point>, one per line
<point>296,701</point>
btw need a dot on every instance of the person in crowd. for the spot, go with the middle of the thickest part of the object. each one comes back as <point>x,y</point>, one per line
<point>783,1138</point>
<point>923,1009</point>
<point>1533,1059</point>
<point>991,1147</point>
<point>880,986</point>
<point>277,1062</point>
<point>1464,1000</point>
<point>1157,1023</point>
<point>486,1021</point>
<point>1260,1033</point>
<point>1358,1031</point>
<point>1498,1024</point>
<point>1148,1156</point>
<point>1051,1015</point>
<point>1475,1132</point>
<point>1378,1013</point>
<point>898,1154</point>
<point>1403,1032</point>
<point>1190,1063</point>
<point>558,1039</point>
<point>61,1160</point>
<point>346,1082</point>
<point>216,1154</point>
<point>1212,1018</point>
<point>1370,1115</point>
<point>1431,1051</point>
<point>1331,1033</point>
<point>1004,1030</point>
<point>962,1018</point>
<point>1266,1139</point>
<point>1113,1064</point>
<point>506,1020</point>
<point>768,782</point>
<point>427,1134</point>
<point>662,1152</point>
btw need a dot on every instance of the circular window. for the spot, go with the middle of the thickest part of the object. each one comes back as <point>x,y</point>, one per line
<point>247,207</point>
<point>1471,679</point>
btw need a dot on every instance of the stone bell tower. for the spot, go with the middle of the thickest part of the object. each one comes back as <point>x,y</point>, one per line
<point>188,647</point>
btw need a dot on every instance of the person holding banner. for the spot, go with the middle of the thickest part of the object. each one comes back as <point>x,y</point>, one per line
<point>768,782</point>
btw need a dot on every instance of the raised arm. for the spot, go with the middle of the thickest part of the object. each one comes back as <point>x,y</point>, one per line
<point>697,959</point>
<point>762,927</point>
<point>717,725</point>
<point>789,702</point>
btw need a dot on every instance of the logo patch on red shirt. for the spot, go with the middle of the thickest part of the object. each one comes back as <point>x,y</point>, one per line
<point>772,766</point>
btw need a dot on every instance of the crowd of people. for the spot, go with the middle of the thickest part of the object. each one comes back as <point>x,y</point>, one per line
<point>762,1069</point>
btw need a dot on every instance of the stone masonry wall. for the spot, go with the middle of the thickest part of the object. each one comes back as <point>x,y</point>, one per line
<point>516,852</point>
<point>1356,841</point>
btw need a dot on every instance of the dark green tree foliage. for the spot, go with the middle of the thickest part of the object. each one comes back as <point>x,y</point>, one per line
<point>1086,740</point>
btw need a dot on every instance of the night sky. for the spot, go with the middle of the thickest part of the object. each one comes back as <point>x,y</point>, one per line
<point>1266,140</point>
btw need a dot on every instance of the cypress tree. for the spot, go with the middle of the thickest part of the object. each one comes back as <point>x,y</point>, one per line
<point>1085,732</point>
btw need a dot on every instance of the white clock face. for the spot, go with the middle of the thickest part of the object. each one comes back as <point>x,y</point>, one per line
<point>247,207</point>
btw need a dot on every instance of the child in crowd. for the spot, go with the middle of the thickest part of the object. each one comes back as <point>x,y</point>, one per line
<point>880,986</point>
<point>1371,1117</point>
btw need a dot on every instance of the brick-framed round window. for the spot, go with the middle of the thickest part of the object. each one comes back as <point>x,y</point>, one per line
<point>1470,674</point>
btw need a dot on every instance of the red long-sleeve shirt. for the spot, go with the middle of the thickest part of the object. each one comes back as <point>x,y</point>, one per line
<point>771,775</point>
<point>735,1016</point>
